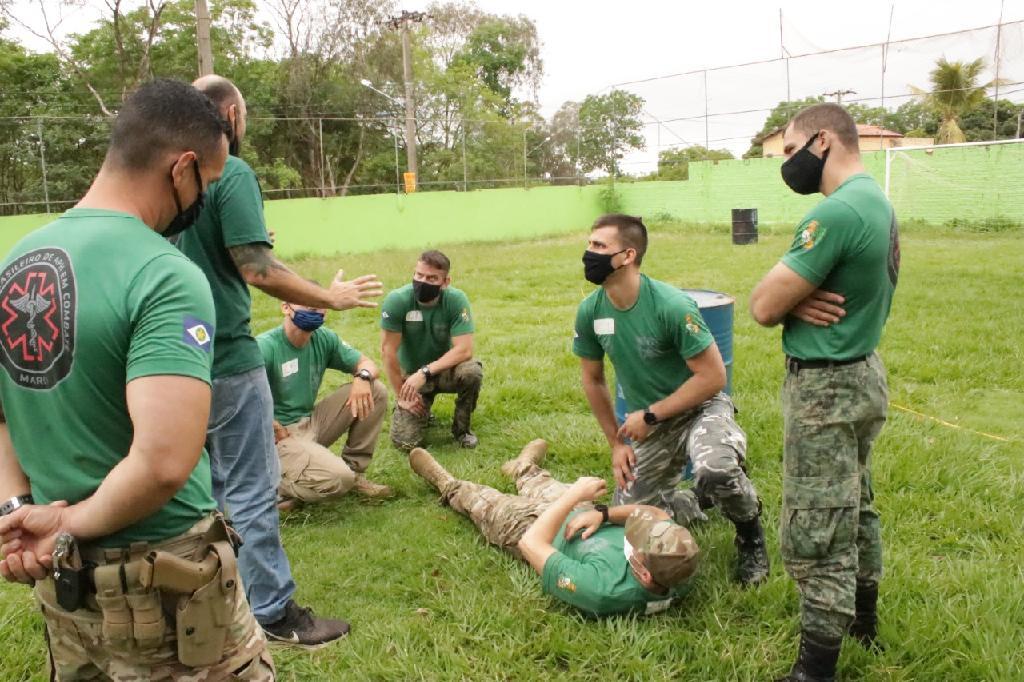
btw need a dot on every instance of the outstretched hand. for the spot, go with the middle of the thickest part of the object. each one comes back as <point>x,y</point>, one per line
<point>353,294</point>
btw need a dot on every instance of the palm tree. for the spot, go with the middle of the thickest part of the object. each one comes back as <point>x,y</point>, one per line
<point>955,91</point>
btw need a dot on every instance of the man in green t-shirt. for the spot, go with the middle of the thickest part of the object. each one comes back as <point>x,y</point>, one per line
<point>296,354</point>
<point>672,376</point>
<point>831,292</point>
<point>601,560</point>
<point>427,346</point>
<point>230,244</point>
<point>106,345</point>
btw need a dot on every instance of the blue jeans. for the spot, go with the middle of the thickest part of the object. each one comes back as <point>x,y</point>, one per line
<point>246,473</point>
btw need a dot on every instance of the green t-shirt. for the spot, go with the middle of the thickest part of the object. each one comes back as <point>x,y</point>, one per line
<point>90,302</point>
<point>648,344</point>
<point>594,576</point>
<point>231,216</point>
<point>427,331</point>
<point>295,373</point>
<point>848,244</point>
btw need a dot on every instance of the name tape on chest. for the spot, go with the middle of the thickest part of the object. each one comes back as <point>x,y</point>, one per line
<point>289,368</point>
<point>414,316</point>
<point>604,326</point>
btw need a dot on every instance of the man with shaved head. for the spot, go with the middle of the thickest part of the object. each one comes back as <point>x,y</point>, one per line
<point>831,291</point>
<point>230,244</point>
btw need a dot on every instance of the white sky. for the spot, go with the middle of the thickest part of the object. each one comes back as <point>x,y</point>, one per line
<point>590,45</point>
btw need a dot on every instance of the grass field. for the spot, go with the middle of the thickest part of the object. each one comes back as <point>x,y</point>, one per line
<point>429,600</point>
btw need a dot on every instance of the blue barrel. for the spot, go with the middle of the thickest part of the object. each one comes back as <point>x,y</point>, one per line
<point>717,310</point>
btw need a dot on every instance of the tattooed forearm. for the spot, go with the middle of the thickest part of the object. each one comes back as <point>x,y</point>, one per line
<point>255,260</point>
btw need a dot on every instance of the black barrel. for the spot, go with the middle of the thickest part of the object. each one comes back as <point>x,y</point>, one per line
<point>744,226</point>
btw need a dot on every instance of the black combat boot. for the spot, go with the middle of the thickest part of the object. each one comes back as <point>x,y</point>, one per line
<point>751,554</point>
<point>815,662</point>
<point>865,623</point>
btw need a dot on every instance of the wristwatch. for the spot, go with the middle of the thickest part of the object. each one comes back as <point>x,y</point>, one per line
<point>365,375</point>
<point>650,418</point>
<point>603,508</point>
<point>14,503</point>
<point>426,370</point>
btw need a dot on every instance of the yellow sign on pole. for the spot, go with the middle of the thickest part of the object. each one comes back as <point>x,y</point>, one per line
<point>410,182</point>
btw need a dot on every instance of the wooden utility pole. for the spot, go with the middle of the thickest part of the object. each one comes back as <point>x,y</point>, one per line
<point>203,38</point>
<point>402,23</point>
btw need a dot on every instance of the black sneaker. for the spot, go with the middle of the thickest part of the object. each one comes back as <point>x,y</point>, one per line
<point>300,629</point>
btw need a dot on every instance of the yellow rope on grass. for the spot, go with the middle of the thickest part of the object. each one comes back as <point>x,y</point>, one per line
<point>1003,439</point>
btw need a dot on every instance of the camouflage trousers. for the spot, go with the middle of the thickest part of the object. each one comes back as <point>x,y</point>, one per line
<point>829,530</point>
<point>464,380</point>
<point>81,650</point>
<point>503,519</point>
<point>714,443</point>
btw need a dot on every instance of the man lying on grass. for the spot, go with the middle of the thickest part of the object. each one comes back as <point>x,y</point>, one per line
<point>627,558</point>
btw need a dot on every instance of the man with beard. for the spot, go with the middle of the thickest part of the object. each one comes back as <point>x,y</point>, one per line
<point>427,348</point>
<point>231,246</point>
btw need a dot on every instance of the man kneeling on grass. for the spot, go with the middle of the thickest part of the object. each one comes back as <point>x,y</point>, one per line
<point>629,558</point>
<point>296,355</point>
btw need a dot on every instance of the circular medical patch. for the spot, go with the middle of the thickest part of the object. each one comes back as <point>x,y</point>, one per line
<point>38,305</point>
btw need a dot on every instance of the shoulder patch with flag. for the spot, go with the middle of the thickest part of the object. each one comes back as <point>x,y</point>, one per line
<point>811,235</point>
<point>197,333</point>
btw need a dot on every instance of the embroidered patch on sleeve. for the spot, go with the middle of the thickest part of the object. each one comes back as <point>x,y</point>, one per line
<point>197,333</point>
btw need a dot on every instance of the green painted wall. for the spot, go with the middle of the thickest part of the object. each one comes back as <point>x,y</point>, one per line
<point>379,221</point>
<point>935,186</point>
<point>967,183</point>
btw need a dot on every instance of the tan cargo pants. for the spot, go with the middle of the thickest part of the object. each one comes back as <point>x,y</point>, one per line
<point>310,472</point>
<point>81,650</point>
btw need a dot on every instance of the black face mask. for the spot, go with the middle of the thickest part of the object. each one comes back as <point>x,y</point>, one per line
<point>597,267</point>
<point>425,292</point>
<point>802,171</point>
<point>186,218</point>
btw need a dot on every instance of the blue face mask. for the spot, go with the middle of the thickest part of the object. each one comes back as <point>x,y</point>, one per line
<point>307,320</point>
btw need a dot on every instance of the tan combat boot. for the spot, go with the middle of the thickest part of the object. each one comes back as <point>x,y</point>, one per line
<point>428,468</point>
<point>532,453</point>
<point>368,488</point>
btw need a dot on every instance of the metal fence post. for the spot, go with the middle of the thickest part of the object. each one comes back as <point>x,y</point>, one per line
<point>42,163</point>
<point>579,178</point>
<point>398,173</point>
<point>465,168</point>
<point>323,188</point>
<point>526,184</point>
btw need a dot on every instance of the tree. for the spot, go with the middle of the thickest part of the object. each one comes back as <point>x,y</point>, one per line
<point>778,117</point>
<point>674,164</point>
<point>609,126</point>
<point>955,91</point>
<point>504,53</point>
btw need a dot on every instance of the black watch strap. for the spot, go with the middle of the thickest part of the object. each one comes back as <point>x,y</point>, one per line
<point>603,508</point>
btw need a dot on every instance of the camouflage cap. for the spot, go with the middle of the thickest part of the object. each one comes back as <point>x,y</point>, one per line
<point>670,551</point>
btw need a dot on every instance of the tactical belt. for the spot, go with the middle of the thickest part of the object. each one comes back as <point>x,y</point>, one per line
<point>794,365</point>
<point>128,586</point>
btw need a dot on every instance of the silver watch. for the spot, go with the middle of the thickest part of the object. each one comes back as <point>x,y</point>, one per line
<point>15,503</point>
<point>365,375</point>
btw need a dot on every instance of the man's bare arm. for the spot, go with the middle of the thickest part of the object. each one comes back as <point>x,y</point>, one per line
<point>461,350</point>
<point>261,269</point>
<point>781,290</point>
<point>535,545</point>
<point>13,482</point>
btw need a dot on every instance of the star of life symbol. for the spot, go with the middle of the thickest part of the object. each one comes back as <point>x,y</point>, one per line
<point>32,304</point>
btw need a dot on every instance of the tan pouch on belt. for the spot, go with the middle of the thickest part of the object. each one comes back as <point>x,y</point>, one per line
<point>110,597</point>
<point>203,618</point>
<point>147,612</point>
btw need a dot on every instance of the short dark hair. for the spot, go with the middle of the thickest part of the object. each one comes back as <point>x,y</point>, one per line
<point>828,116</point>
<point>163,116</point>
<point>436,259</point>
<point>631,229</point>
